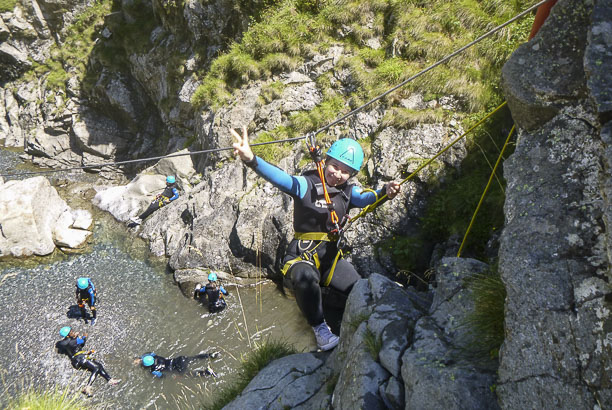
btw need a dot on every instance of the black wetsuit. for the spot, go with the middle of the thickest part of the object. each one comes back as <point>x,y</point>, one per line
<point>88,296</point>
<point>303,277</point>
<point>73,348</point>
<point>214,295</point>
<point>169,195</point>
<point>311,215</point>
<point>178,364</point>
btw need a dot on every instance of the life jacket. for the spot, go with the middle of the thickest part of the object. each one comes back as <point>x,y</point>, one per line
<point>314,239</point>
<point>68,346</point>
<point>168,191</point>
<point>215,301</point>
<point>84,294</point>
<point>311,213</point>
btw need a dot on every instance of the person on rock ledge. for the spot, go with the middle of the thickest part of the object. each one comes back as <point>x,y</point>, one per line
<point>312,259</point>
<point>169,194</point>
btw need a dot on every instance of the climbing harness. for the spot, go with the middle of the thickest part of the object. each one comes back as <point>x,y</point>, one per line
<point>317,156</point>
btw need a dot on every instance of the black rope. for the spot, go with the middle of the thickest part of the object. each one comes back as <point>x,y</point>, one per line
<point>131,161</point>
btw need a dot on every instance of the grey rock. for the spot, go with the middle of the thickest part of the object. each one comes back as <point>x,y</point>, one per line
<point>557,197</point>
<point>360,377</point>
<point>392,393</point>
<point>598,56</point>
<point>285,383</point>
<point>98,135</point>
<point>553,59</point>
<point>12,61</point>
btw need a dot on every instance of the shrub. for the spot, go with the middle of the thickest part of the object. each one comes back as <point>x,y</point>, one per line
<point>486,321</point>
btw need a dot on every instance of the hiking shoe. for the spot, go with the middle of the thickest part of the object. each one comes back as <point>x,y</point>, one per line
<point>88,391</point>
<point>114,381</point>
<point>326,340</point>
<point>135,220</point>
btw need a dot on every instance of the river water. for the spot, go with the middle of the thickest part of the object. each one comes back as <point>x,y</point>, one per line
<point>140,309</point>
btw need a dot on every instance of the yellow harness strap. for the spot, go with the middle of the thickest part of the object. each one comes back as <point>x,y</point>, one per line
<point>333,268</point>
<point>315,236</point>
<point>311,255</point>
<point>308,256</point>
<point>85,352</point>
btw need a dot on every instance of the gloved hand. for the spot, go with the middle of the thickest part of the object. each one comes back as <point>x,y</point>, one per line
<point>214,355</point>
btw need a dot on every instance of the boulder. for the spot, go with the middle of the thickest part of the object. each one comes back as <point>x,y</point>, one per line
<point>126,201</point>
<point>286,383</point>
<point>34,219</point>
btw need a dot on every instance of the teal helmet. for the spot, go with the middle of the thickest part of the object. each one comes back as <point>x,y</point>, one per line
<point>212,276</point>
<point>65,331</point>
<point>148,360</point>
<point>348,151</point>
<point>170,179</point>
<point>83,283</point>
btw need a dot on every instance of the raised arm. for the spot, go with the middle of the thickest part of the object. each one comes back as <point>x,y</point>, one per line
<point>292,185</point>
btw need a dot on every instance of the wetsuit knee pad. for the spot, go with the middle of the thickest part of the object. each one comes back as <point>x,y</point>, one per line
<point>304,274</point>
<point>344,277</point>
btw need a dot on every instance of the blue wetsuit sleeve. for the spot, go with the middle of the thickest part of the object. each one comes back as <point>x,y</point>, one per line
<point>175,194</point>
<point>223,290</point>
<point>362,199</point>
<point>292,185</point>
<point>92,295</point>
<point>157,373</point>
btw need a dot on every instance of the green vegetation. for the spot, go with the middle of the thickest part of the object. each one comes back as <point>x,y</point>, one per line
<point>7,5</point>
<point>373,343</point>
<point>486,322</point>
<point>73,54</point>
<point>47,399</point>
<point>251,365</point>
<point>274,152</point>
<point>451,207</point>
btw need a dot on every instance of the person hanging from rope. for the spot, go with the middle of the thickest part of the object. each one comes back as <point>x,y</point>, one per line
<point>86,294</point>
<point>213,292</point>
<point>321,201</point>
<point>72,345</point>
<point>169,194</point>
<point>158,364</point>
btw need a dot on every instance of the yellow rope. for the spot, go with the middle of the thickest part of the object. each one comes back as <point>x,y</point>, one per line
<point>485,191</point>
<point>371,207</point>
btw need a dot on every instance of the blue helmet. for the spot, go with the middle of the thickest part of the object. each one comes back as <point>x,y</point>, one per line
<point>347,151</point>
<point>64,331</point>
<point>212,276</point>
<point>170,179</point>
<point>148,360</point>
<point>83,283</point>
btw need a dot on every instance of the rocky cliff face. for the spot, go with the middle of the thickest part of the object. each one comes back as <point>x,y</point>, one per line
<point>555,254</point>
<point>554,260</point>
<point>555,249</point>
